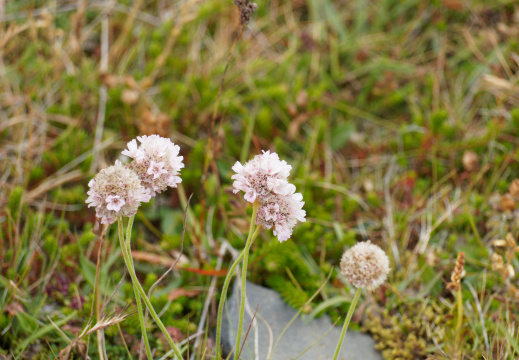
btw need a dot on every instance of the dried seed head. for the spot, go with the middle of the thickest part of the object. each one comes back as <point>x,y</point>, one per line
<point>151,123</point>
<point>510,241</point>
<point>499,243</point>
<point>498,264</point>
<point>497,261</point>
<point>504,249</point>
<point>246,8</point>
<point>470,160</point>
<point>431,258</point>
<point>510,271</point>
<point>514,188</point>
<point>507,202</point>
<point>365,265</point>
<point>130,97</point>
<point>457,273</point>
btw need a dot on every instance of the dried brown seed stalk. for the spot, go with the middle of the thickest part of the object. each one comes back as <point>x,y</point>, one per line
<point>246,8</point>
<point>457,273</point>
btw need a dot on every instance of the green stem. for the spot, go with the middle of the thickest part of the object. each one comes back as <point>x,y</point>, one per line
<point>244,275</point>
<point>460,319</point>
<point>135,290</point>
<point>131,270</point>
<point>223,297</point>
<point>346,323</point>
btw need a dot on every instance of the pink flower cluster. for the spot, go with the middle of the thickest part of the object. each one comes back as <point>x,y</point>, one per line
<point>120,189</point>
<point>156,162</point>
<point>116,191</point>
<point>265,179</point>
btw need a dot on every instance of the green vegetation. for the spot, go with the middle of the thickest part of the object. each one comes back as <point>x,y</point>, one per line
<point>400,119</point>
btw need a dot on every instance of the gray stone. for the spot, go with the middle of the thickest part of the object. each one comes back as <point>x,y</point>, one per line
<point>299,336</point>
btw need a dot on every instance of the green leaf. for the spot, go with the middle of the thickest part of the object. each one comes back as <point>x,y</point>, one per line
<point>171,220</point>
<point>14,201</point>
<point>87,269</point>
<point>335,301</point>
<point>341,134</point>
<point>27,322</point>
<point>42,331</point>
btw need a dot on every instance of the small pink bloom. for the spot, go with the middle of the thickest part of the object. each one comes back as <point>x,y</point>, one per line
<point>156,162</point>
<point>263,176</point>
<point>271,211</point>
<point>283,232</point>
<point>156,169</point>
<point>264,179</point>
<point>116,191</point>
<point>133,151</point>
<point>250,196</point>
<point>114,202</point>
<point>281,212</point>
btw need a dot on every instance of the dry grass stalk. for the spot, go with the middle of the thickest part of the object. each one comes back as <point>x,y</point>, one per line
<point>121,40</point>
<point>499,87</point>
<point>114,318</point>
<point>212,147</point>
<point>187,14</point>
<point>105,321</point>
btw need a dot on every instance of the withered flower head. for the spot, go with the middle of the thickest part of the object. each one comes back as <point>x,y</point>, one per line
<point>365,265</point>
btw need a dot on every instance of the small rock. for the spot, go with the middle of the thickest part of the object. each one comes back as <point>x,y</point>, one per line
<point>299,336</point>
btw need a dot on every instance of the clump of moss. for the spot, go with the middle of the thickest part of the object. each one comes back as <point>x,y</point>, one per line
<point>404,334</point>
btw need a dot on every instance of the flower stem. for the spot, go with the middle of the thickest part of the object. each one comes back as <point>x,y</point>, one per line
<point>136,291</point>
<point>459,301</point>
<point>131,270</point>
<point>244,274</point>
<point>346,323</point>
<point>143,324</point>
<point>223,297</point>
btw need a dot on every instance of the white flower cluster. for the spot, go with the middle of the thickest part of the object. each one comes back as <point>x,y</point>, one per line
<point>116,191</point>
<point>365,265</point>
<point>156,162</point>
<point>265,179</point>
<point>119,190</point>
